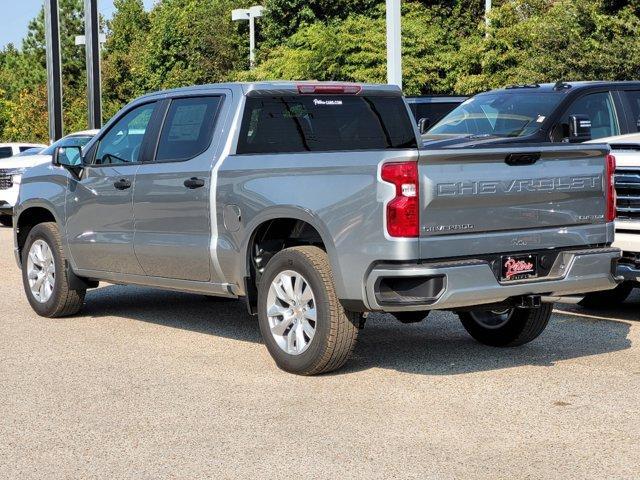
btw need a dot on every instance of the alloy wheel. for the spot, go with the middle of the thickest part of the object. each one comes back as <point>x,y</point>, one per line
<point>291,310</point>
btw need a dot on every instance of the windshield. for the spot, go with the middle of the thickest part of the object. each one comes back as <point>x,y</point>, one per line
<point>75,141</point>
<point>500,114</point>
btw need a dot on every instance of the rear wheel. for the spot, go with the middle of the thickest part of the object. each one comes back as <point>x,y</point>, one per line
<point>44,275</point>
<point>607,298</point>
<point>510,327</point>
<point>6,220</point>
<point>304,326</point>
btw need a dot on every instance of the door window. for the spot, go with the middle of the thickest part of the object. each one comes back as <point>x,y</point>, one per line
<point>123,141</point>
<point>633,100</point>
<point>600,110</point>
<point>188,128</point>
<point>5,152</point>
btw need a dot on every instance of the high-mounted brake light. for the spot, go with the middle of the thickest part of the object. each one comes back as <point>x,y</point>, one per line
<point>337,89</point>
<point>402,212</point>
<point>610,214</point>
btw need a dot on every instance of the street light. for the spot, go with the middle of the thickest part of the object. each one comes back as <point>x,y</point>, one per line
<point>249,14</point>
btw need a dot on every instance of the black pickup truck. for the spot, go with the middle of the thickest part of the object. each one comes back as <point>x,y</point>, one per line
<point>552,112</point>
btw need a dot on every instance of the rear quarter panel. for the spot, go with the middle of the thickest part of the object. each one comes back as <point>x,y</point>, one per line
<point>338,193</point>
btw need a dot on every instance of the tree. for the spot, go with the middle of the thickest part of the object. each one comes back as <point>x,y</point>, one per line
<point>127,32</point>
<point>190,42</point>
<point>354,49</point>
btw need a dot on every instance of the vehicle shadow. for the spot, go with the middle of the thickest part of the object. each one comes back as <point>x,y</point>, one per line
<point>437,346</point>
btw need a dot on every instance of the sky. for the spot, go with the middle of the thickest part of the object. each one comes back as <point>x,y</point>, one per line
<point>17,13</point>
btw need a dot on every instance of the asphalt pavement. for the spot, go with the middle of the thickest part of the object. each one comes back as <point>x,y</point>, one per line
<point>149,384</point>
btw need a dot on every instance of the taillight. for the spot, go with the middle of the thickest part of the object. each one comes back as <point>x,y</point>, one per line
<point>610,214</point>
<point>402,211</point>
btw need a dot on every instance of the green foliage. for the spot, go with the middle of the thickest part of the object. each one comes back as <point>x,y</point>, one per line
<point>543,41</point>
<point>283,18</point>
<point>446,49</point>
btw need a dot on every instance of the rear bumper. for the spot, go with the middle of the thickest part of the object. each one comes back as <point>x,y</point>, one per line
<point>440,286</point>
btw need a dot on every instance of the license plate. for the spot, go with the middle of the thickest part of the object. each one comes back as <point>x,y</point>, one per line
<point>519,267</point>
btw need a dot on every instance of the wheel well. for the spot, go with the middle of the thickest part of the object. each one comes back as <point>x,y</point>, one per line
<point>268,239</point>
<point>29,219</point>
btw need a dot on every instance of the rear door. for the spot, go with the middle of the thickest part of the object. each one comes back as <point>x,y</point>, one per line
<point>171,199</point>
<point>479,201</point>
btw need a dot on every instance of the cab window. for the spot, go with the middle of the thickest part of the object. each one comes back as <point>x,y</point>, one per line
<point>123,141</point>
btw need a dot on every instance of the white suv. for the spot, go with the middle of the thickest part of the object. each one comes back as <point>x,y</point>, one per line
<point>12,168</point>
<point>11,149</point>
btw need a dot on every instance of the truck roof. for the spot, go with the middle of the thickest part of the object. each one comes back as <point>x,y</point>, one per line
<point>276,87</point>
<point>563,87</point>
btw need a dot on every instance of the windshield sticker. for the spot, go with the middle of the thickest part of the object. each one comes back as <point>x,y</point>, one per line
<point>317,101</point>
<point>540,118</point>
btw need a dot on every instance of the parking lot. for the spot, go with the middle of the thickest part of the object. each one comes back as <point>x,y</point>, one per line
<point>152,384</point>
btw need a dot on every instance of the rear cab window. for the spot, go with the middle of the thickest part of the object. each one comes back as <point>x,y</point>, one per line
<point>325,123</point>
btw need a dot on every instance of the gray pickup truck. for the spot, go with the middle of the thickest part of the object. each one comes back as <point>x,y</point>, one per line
<point>316,203</point>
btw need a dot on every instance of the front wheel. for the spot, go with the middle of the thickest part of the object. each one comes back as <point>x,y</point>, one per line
<point>305,328</point>
<point>510,327</point>
<point>44,275</point>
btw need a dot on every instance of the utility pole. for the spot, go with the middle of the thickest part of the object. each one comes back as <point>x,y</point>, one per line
<point>394,43</point>
<point>249,14</point>
<point>92,51</point>
<point>54,69</point>
<point>487,10</point>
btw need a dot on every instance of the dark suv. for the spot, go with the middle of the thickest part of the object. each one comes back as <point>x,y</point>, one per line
<point>550,112</point>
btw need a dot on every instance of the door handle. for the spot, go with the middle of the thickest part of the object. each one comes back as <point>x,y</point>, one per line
<point>122,184</point>
<point>514,159</point>
<point>193,183</point>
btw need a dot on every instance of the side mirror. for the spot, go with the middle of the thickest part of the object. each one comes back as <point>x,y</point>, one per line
<point>70,156</point>
<point>423,125</point>
<point>579,128</point>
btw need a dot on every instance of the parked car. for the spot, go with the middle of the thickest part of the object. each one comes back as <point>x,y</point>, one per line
<point>30,151</point>
<point>12,169</point>
<point>627,152</point>
<point>429,109</point>
<point>11,149</point>
<point>315,203</point>
<point>570,112</point>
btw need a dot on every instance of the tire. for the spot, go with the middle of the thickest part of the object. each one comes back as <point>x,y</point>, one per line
<point>411,317</point>
<point>6,220</point>
<point>509,328</point>
<point>61,300</point>
<point>286,308</point>
<point>607,298</point>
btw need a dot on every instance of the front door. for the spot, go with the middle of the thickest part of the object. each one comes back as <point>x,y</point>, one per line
<point>100,203</point>
<point>171,198</point>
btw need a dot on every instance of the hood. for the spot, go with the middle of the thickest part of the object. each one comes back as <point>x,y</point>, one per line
<point>12,163</point>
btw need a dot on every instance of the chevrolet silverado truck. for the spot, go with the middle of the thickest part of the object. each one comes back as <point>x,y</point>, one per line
<point>627,182</point>
<point>315,203</point>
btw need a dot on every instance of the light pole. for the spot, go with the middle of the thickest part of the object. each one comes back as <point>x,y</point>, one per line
<point>394,43</point>
<point>94,88</point>
<point>249,14</point>
<point>54,69</point>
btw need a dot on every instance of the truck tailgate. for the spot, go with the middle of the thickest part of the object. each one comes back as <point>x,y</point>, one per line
<point>479,201</point>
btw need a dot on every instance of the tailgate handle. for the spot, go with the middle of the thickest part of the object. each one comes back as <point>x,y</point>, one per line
<point>522,158</point>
